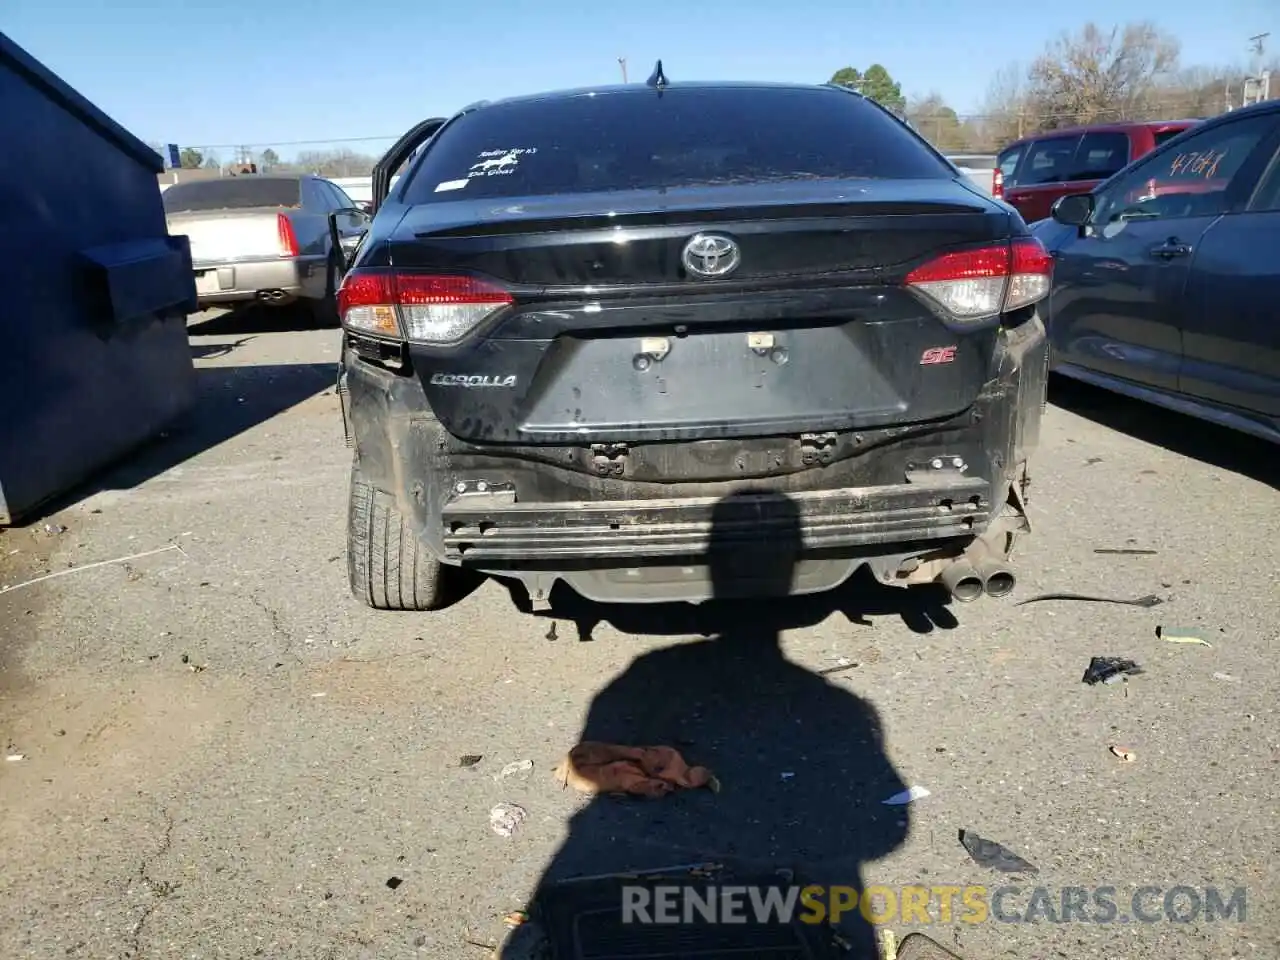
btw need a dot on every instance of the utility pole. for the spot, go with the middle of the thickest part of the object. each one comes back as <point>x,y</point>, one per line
<point>1257,86</point>
<point>622,63</point>
<point>1257,43</point>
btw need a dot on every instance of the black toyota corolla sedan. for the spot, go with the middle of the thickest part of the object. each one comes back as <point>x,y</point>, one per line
<point>671,341</point>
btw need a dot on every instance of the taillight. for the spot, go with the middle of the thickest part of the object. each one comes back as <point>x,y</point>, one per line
<point>997,182</point>
<point>424,308</point>
<point>983,283</point>
<point>288,239</point>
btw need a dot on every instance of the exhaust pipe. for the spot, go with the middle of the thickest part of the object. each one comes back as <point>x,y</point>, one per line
<point>997,579</point>
<point>271,296</point>
<point>962,581</point>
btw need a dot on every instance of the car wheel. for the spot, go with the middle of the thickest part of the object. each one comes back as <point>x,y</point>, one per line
<point>389,567</point>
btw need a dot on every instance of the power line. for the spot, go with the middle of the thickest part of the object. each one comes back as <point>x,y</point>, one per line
<point>287,143</point>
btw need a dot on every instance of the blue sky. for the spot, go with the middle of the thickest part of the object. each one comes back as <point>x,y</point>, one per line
<point>199,72</point>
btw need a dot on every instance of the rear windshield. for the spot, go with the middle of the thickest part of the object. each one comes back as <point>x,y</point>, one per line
<point>685,137</point>
<point>229,193</point>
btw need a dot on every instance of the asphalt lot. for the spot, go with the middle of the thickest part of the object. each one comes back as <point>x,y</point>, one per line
<point>226,756</point>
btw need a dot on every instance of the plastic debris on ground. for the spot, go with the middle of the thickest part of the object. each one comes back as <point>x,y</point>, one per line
<point>1124,753</point>
<point>1109,670</point>
<point>469,759</point>
<point>988,853</point>
<point>506,818</point>
<point>1182,635</point>
<point>1224,676</point>
<point>906,796</point>
<point>514,768</point>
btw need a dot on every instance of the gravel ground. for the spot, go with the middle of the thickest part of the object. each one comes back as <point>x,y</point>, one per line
<point>226,756</point>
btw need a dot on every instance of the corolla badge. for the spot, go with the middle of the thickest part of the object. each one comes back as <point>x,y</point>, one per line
<point>472,380</point>
<point>710,255</point>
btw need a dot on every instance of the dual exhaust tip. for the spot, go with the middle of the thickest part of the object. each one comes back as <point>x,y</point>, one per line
<point>967,581</point>
<point>272,296</point>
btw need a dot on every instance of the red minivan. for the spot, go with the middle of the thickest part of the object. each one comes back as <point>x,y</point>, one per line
<point>1036,170</point>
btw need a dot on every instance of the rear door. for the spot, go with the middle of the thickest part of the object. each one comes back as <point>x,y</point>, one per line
<point>311,223</point>
<point>1231,336</point>
<point>1060,166</point>
<point>1042,175</point>
<point>1118,302</point>
<point>1100,156</point>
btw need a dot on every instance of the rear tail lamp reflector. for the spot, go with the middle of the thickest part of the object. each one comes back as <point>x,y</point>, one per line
<point>288,239</point>
<point>979,284</point>
<point>423,308</point>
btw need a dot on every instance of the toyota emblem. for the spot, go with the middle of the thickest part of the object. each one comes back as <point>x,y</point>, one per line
<point>710,255</point>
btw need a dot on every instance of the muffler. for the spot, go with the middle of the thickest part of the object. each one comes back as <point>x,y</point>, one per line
<point>997,579</point>
<point>962,581</point>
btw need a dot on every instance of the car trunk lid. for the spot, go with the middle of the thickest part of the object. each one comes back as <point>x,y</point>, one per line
<point>232,235</point>
<point>600,332</point>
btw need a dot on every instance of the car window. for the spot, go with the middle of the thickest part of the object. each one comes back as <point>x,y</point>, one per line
<point>231,193</point>
<point>314,196</point>
<point>1186,181</point>
<point>340,197</point>
<point>1164,136</point>
<point>638,140</point>
<point>331,194</point>
<point>1008,163</point>
<point>1048,161</point>
<point>1267,197</point>
<point>1100,156</point>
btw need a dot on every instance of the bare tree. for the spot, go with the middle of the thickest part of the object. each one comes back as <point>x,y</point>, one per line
<point>1007,112</point>
<point>334,163</point>
<point>938,123</point>
<point>1098,75</point>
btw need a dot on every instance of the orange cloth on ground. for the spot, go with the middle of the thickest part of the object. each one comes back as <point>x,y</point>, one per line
<point>593,767</point>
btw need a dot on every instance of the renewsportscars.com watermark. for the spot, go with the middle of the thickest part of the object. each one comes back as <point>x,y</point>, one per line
<point>677,904</point>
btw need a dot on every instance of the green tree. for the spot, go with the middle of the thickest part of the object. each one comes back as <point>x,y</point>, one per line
<point>848,77</point>
<point>882,88</point>
<point>877,84</point>
<point>191,158</point>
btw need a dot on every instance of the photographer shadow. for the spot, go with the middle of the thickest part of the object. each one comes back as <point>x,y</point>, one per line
<point>800,761</point>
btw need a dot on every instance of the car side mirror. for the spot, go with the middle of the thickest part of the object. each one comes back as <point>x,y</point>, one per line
<point>1073,211</point>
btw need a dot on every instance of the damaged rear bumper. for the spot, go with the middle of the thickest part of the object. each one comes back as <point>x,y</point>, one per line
<point>494,527</point>
<point>612,523</point>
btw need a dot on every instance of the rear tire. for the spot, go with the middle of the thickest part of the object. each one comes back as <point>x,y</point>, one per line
<point>389,567</point>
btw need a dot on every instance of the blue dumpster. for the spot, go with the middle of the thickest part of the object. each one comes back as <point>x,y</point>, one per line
<point>94,358</point>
